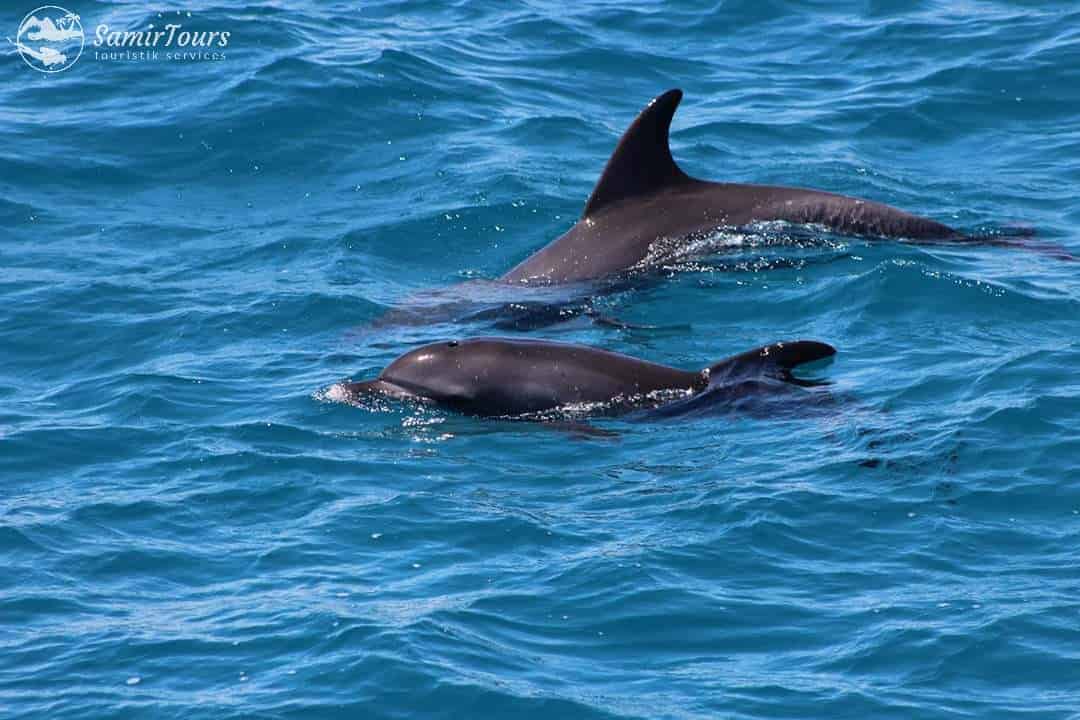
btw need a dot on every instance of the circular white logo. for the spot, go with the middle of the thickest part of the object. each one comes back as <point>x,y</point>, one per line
<point>50,39</point>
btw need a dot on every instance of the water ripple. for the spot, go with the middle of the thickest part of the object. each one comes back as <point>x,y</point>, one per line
<point>194,252</point>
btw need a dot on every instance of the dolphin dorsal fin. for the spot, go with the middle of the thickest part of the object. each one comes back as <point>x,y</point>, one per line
<point>642,161</point>
<point>776,360</point>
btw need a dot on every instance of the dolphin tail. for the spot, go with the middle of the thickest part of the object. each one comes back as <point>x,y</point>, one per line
<point>1024,238</point>
<point>776,360</point>
<point>1016,237</point>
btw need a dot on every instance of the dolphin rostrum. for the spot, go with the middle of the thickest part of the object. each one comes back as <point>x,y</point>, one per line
<point>502,377</point>
<point>643,197</point>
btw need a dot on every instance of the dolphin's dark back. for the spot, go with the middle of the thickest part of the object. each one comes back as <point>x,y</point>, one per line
<point>508,377</point>
<point>504,376</point>
<point>747,203</point>
<point>643,196</point>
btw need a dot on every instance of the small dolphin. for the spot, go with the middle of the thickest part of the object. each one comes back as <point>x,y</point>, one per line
<point>643,197</point>
<point>501,377</point>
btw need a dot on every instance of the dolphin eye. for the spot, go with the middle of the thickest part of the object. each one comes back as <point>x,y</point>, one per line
<point>452,343</point>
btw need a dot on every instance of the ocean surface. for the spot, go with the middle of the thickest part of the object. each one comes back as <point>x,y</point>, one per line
<point>193,250</point>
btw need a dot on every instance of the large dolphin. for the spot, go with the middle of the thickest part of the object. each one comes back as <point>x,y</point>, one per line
<point>501,377</point>
<point>644,210</point>
<point>643,198</point>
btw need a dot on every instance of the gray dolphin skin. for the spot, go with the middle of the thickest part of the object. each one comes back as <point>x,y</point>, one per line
<point>643,196</point>
<point>501,377</point>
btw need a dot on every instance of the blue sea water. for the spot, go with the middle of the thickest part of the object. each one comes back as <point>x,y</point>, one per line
<point>192,251</point>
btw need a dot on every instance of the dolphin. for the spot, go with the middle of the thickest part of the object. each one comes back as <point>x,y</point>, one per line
<point>645,209</point>
<point>503,377</point>
<point>643,198</point>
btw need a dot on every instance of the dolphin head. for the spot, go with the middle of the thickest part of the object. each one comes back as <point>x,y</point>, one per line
<point>461,375</point>
<point>445,372</point>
